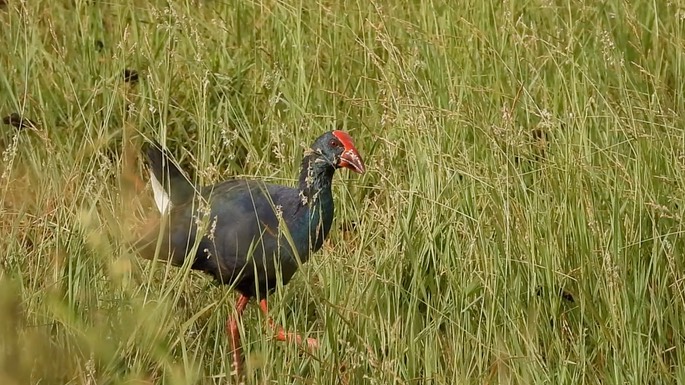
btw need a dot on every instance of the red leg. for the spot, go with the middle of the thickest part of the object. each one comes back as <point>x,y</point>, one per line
<point>234,332</point>
<point>282,335</point>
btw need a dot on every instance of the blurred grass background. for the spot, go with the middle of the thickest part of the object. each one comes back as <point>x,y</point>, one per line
<point>519,223</point>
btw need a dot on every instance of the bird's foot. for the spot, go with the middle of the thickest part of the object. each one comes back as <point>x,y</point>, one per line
<point>282,335</point>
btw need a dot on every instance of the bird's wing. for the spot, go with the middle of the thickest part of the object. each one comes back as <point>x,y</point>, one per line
<point>238,218</point>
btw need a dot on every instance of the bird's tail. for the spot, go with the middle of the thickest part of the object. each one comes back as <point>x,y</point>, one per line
<point>170,185</point>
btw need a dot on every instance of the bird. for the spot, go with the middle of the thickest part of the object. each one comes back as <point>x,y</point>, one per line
<point>246,233</point>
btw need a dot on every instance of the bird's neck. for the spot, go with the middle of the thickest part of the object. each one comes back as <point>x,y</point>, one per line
<point>316,177</point>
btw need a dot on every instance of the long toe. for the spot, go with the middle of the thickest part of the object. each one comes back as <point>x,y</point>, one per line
<point>282,335</point>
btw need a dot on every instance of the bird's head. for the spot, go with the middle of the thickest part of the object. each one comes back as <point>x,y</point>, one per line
<point>337,148</point>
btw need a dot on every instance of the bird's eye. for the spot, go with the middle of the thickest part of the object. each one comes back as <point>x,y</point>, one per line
<point>334,143</point>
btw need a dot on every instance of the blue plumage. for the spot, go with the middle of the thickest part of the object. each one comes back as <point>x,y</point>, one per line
<point>253,230</point>
<point>247,233</point>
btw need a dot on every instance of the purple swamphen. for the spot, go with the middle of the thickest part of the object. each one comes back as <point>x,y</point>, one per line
<point>247,233</point>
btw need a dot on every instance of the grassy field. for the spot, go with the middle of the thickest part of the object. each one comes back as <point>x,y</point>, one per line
<point>519,223</point>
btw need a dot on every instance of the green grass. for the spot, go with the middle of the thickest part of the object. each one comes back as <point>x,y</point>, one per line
<point>514,149</point>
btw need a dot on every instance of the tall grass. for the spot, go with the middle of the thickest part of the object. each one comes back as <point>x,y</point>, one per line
<point>519,223</point>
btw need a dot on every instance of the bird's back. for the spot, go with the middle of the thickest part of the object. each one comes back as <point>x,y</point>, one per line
<point>250,231</point>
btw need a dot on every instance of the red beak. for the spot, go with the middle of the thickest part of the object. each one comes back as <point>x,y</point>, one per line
<point>350,157</point>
